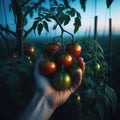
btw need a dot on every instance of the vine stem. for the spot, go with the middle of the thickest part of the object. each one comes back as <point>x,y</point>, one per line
<point>62,30</point>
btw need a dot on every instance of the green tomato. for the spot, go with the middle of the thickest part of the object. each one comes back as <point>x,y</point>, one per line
<point>61,80</point>
<point>97,67</point>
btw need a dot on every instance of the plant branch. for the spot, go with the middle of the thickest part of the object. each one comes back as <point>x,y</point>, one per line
<point>62,30</point>
<point>27,32</point>
<point>25,2</point>
<point>33,7</point>
<point>7,30</point>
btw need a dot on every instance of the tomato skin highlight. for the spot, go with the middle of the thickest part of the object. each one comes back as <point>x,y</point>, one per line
<point>97,67</point>
<point>74,49</point>
<point>61,80</point>
<point>52,48</point>
<point>65,59</point>
<point>29,51</point>
<point>47,67</point>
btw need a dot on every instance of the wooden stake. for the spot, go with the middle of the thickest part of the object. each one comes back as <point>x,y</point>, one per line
<point>95,27</point>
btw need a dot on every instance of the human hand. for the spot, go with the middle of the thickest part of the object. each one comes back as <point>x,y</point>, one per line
<point>53,96</point>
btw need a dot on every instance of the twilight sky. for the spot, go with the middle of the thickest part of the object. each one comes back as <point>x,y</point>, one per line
<point>87,17</point>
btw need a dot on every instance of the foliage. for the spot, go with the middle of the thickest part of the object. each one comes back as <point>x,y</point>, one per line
<point>98,99</point>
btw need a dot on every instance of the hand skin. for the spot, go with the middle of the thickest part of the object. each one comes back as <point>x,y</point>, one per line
<point>47,98</point>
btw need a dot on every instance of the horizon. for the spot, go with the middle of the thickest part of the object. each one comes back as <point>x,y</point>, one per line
<point>87,18</point>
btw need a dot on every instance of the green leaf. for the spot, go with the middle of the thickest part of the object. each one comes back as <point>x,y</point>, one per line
<point>67,19</point>
<point>71,12</point>
<point>47,19</point>
<point>83,4</point>
<point>31,14</point>
<point>45,25</point>
<point>35,25</point>
<point>89,94</point>
<point>111,96</point>
<point>78,14</point>
<point>108,3</point>
<point>66,3</point>
<point>61,18</point>
<point>39,28</point>
<point>100,108</point>
<point>77,24</point>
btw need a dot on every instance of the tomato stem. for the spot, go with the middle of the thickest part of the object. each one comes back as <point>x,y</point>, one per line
<point>62,30</point>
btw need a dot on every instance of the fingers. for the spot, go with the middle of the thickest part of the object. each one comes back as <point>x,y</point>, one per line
<point>81,63</point>
<point>76,83</point>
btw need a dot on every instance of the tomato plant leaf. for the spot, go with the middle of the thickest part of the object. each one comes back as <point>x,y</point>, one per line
<point>111,96</point>
<point>83,4</point>
<point>31,14</point>
<point>100,108</point>
<point>77,24</point>
<point>67,19</point>
<point>71,12</point>
<point>61,18</point>
<point>35,25</point>
<point>45,25</point>
<point>108,3</point>
<point>39,28</point>
<point>66,3</point>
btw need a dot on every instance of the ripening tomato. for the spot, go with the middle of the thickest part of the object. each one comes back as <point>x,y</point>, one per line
<point>52,48</point>
<point>29,50</point>
<point>14,57</point>
<point>47,67</point>
<point>75,70</point>
<point>78,98</point>
<point>81,64</point>
<point>65,59</point>
<point>74,49</point>
<point>61,80</point>
<point>97,67</point>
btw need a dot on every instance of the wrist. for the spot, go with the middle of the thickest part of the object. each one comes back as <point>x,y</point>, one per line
<point>45,109</point>
<point>38,109</point>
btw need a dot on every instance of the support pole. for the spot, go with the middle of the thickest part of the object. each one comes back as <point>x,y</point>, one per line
<point>110,46</point>
<point>95,27</point>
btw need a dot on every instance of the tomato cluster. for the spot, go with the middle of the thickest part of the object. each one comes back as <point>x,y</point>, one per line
<point>62,63</point>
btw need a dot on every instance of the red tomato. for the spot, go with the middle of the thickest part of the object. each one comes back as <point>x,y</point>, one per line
<point>47,67</point>
<point>29,50</point>
<point>65,59</point>
<point>52,48</point>
<point>81,63</point>
<point>74,49</point>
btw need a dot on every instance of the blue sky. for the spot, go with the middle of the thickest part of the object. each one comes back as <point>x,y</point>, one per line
<point>87,17</point>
